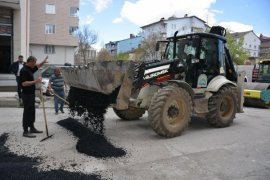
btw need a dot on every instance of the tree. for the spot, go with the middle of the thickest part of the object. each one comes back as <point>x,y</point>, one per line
<point>147,50</point>
<point>123,56</point>
<point>238,53</point>
<point>86,38</point>
<point>104,55</point>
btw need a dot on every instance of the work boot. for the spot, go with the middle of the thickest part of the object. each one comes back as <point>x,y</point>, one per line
<point>34,130</point>
<point>27,134</point>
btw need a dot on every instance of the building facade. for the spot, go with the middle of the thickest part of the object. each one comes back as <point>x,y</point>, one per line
<point>265,47</point>
<point>52,26</point>
<point>14,37</point>
<point>251,42</point>
<point>112,47</point>
<point>90,55</point>
<point>124,46</point>
<point>167,27</point>
<point>129,45</point>
<point>38,28</point>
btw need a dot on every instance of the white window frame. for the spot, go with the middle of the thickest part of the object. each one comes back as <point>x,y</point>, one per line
<point>73,11</point>
<point>49,28</point>
<point>50,9</point>
<point>72,29</point>
<point>49,49</point>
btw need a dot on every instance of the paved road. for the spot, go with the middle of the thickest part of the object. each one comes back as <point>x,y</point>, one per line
<point>240,152</point>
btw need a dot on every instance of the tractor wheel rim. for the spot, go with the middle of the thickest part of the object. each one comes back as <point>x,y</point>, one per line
<point>174,112</point>
<point>226,106</point>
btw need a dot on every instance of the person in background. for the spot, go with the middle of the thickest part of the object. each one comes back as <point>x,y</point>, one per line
<point>57,86</point>
<point>28,94</point>
<point>15,68</point>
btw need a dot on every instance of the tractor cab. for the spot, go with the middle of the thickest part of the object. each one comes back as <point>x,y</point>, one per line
<point>203,56</point>
<point>264,71</point>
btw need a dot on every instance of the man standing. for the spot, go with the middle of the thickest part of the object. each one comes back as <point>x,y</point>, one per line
<point>57,83</point>
<point>15,68</point>
<point>28,94</point>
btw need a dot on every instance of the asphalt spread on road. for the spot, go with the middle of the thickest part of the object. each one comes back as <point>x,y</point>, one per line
<point>91,143</point>
<point>13,166</point>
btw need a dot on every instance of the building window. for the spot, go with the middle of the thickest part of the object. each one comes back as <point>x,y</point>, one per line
<point>74,12</point>
<point>255,47</point>
<point>49,49</point>
<point>50,9</point>
<point>73,29</point>
<point>49,29</point>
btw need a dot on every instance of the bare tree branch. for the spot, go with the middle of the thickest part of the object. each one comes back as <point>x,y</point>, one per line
<point>87,38</point>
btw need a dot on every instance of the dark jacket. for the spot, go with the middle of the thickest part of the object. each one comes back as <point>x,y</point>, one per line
<point>14,67</point>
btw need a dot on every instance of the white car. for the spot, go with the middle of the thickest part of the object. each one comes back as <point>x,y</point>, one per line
<point>45,85</point>
<point>46,73</point>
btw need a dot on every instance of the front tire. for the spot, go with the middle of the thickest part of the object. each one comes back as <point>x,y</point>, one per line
<point>170,111</point>
<point>222,107</point>
<point>129,114</point>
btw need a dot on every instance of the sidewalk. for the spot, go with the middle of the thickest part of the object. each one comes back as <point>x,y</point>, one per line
<point>10,99</point>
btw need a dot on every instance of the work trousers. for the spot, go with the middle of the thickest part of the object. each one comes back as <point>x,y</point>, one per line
<point>58,101</point>
<point>29,111</point>
<point>19,87</point>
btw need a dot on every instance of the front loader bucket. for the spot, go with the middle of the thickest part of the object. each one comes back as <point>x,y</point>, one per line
<point>110,79</point>
<point>94,87</point>
<point>257,95</point>
<point>99,76</point>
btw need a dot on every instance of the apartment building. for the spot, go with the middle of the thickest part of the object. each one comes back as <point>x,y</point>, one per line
<point>265,47</point>
<point>112,47</point>
<point>167,27</point>
<point>38,28</point>
<point>251,42</point>
<point>52,27</point>
<point>14,37</point>
<point>125,45</point>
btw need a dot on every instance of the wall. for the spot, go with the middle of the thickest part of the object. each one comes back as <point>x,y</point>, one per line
<point>63,54</point>
<point>182,25</point>
<point>251,44</point>
<point>61,19</point>
<point>128,44</point>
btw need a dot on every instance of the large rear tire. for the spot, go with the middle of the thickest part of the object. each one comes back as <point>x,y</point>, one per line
<point>129,114</point>
<point>222,107</point>
<point>170,111</point>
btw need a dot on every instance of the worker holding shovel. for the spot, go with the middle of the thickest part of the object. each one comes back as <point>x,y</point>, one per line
<point>28,94</point>
<point>57,86</point>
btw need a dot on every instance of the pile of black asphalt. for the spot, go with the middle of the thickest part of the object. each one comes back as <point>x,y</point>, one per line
<point>13,166</point>
<point>91,143</point>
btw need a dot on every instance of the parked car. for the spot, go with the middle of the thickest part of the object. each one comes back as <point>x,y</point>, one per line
<point>46,73</point>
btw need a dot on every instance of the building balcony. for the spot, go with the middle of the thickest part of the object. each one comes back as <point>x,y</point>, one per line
<point>266,51</point>
<point>265,45</point>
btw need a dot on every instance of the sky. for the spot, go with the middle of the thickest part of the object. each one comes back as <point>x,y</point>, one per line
<point>115,20</point>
